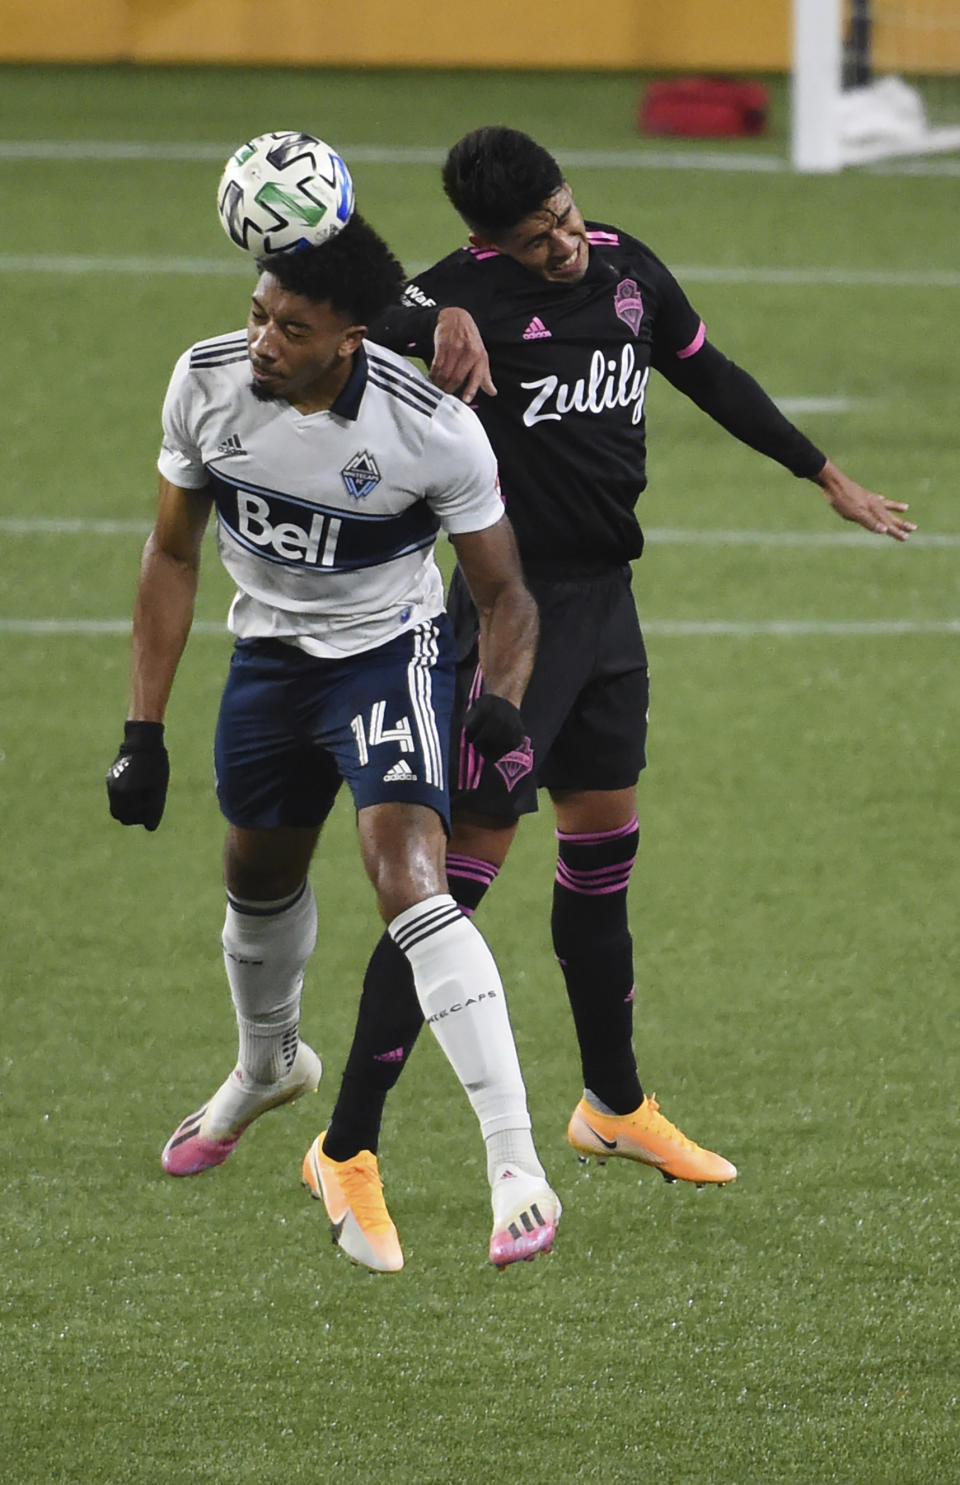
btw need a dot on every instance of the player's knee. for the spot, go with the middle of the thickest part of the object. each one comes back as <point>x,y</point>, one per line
<point>404,850</point>
<point>266,865</point>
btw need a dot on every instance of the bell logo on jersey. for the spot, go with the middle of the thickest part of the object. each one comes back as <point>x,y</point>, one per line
<point>609,384</point>
<point>315,547</point>
<point>294,531</point>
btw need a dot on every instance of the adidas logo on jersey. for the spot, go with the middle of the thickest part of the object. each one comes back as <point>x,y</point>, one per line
<point>400,773</point>
<point>537,330</point>
<point>231,446</point>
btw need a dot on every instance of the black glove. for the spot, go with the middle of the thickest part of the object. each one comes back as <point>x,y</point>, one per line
<point>494,726</point>
<point>138,777</point>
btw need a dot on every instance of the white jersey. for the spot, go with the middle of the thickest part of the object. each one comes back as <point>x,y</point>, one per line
<point>327,521</point>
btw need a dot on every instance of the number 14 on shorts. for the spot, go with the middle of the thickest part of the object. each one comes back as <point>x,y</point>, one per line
<point>371,735</point>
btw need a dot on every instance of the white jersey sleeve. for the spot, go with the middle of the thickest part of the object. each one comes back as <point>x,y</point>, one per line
<point>180,460</point>
<point>461,483</point>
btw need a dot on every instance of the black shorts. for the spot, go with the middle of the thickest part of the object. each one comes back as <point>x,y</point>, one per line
<point>586,705</point>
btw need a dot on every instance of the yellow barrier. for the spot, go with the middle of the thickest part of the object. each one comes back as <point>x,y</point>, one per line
<point>381,33</point>
<point>741,35</point>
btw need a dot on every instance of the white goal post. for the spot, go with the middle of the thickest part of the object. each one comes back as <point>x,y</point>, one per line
<point>833,125</point>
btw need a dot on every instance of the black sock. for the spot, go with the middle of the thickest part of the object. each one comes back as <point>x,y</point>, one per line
<point>388,1024</point>
<point>592,942</point>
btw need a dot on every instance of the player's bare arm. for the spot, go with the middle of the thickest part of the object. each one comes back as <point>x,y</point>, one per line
<point>509,623</point>
<point>855,503</point>
<point>163,612</point>
<point>460,364</point>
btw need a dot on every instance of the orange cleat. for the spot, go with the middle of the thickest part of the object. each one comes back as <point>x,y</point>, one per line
<point>647,1136</point>
<point>352,1192</point>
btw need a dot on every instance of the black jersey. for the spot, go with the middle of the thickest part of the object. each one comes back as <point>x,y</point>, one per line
<point>571,365</point>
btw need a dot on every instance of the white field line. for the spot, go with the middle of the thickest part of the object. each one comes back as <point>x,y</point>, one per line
<point>236,264</point>
<point>142,266</point>
<point>655,535</point>
<point>655,628</point>
<point>111,150</point>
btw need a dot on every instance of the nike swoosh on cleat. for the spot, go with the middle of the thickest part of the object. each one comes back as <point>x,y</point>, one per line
<point>607,1144</point>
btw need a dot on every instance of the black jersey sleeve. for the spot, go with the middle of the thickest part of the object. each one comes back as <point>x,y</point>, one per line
<point>678,328</point>
<point>408,327</point>
<point>738,403</point>
<point>682,353</point>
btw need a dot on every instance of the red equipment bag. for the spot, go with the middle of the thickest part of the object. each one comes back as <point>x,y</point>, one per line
<point>715,107</point>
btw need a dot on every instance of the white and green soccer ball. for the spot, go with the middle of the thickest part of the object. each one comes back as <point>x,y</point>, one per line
<point>284,191</point>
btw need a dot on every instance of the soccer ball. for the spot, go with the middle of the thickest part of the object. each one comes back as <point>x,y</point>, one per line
<point>284,191</point>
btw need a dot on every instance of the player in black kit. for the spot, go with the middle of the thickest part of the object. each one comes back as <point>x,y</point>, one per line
<point>556,324</point>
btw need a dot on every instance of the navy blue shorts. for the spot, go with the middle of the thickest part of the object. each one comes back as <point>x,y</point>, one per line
<point>586,706</point>
<point>292,727</point>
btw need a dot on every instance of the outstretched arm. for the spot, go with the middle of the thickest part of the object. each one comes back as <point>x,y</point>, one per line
<point>738,403</point>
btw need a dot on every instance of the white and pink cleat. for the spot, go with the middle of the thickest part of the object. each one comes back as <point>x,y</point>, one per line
<point>525,1216</point>
<point>206,1138</point>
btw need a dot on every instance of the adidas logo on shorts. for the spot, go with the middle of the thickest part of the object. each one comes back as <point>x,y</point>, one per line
<point>400,773</point>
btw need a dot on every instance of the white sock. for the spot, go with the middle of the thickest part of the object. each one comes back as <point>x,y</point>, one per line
<point>266,946</point>
<point>462,999</point>
<point>512,1147</point>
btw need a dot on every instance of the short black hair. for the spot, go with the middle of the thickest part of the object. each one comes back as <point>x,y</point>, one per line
<point>495,176</point>
<point>354,272</point>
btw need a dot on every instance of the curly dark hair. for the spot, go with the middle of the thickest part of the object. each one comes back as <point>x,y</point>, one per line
<point>495,176</point>
<point>354,272</point>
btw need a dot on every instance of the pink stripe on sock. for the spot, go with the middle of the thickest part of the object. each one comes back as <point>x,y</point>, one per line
<point>601,876</point>
<point>583,889</point>
<point>472,868</point>
<point>600,835</point>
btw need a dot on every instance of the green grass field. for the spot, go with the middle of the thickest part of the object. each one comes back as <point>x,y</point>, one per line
<point>795,903</point>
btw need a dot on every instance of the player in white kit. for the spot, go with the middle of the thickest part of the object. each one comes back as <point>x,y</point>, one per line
<point>332,466</point>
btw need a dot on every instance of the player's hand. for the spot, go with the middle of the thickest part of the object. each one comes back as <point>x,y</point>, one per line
<point>855,503</point>
<point>494,727</point>
<point>138,777</point>
<point>460,364</point>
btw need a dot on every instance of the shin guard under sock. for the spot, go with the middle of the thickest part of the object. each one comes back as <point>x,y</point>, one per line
<point>463,1002</point>
<point>592,943</point>
<point>388,1024</point>
<point>266,946</point>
